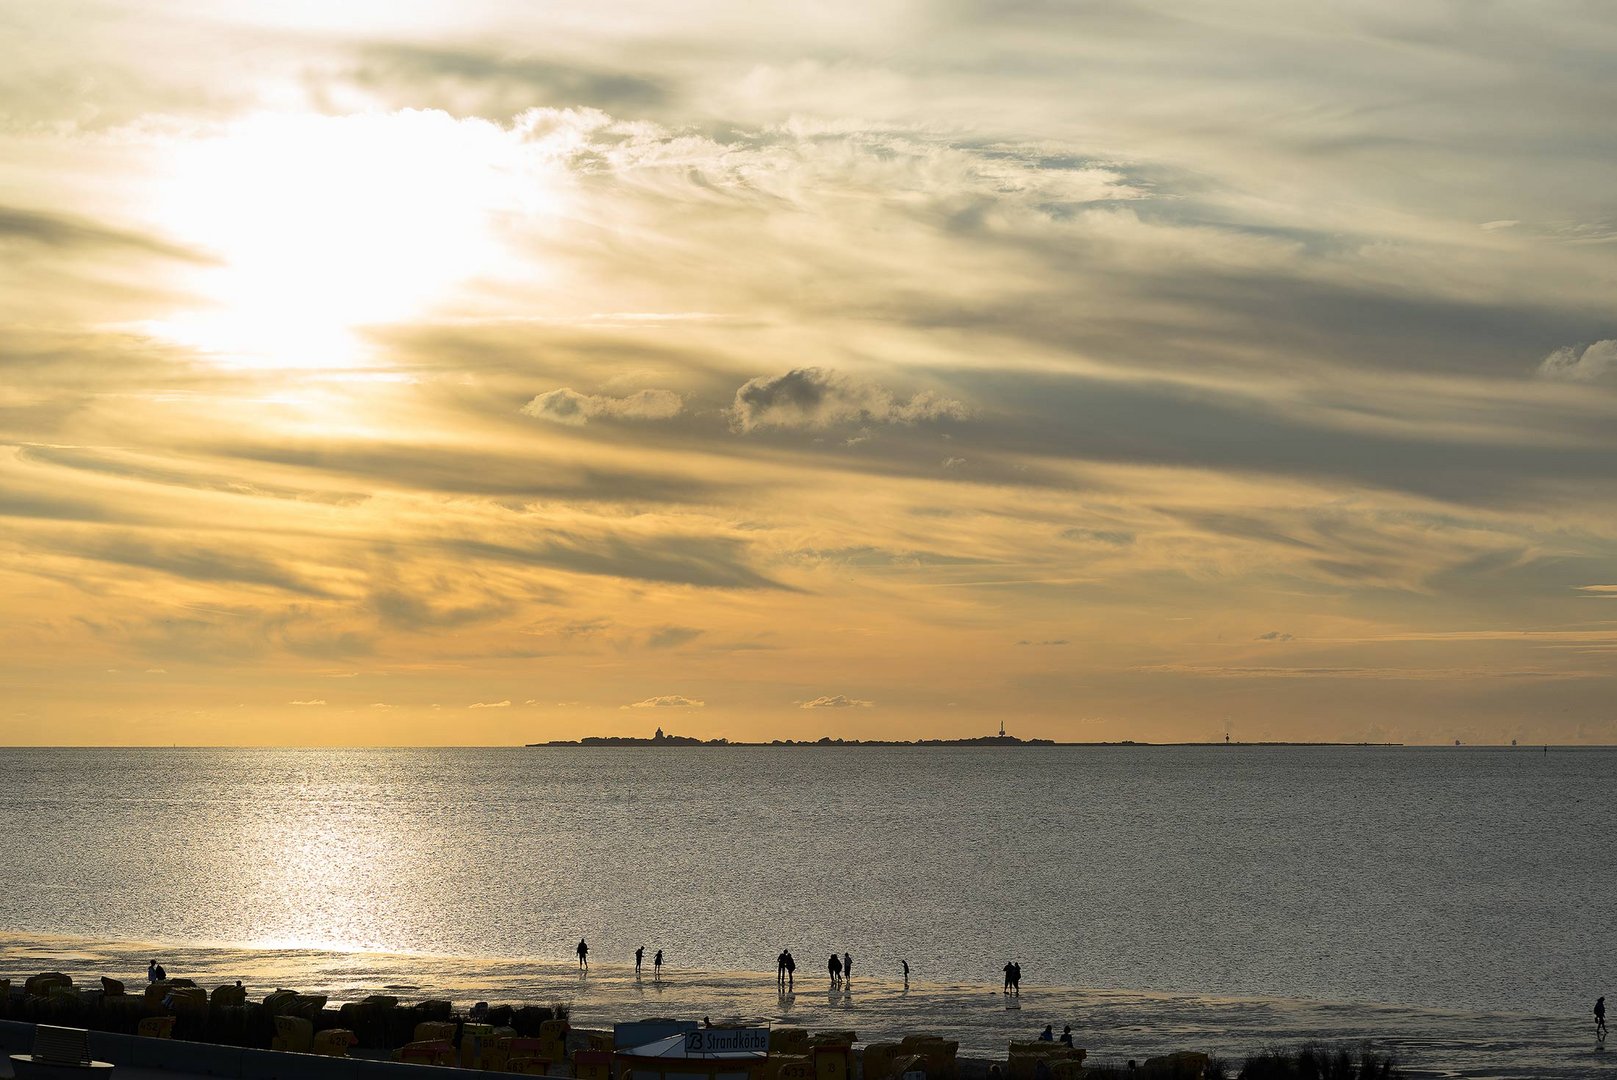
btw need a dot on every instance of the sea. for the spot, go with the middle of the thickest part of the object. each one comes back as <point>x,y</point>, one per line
<point>1452,906</point>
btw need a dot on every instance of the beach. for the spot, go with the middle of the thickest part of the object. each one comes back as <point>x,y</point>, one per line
<point>1111,1025</point>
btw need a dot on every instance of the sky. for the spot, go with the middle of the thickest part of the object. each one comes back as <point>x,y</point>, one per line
<point>414,373</point>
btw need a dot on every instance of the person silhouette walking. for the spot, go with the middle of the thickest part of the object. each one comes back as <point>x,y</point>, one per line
<point>657,966</point>
<point>583,955</point>
<point>791,969</point>
<point>780,970</point>
<point>834,966</point>
<point>906,964</point>
<point>639,955</point>
<point>1600,1017</point>
<point>847,967</point>
<point>1009,967</point>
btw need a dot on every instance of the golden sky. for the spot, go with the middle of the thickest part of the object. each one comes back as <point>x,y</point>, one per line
<point>405,372</point>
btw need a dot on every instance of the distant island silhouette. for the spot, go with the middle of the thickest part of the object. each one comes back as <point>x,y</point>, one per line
<point>1002,739</point>
<point>661,739</point>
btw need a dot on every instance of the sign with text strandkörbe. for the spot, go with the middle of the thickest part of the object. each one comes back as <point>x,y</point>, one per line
<point>727,1041</point>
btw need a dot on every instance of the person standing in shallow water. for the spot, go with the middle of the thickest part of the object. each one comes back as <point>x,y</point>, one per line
<point>657,966</point>
<point>1016,979</point>
<point>1600,1017</point>
<point>583,955</point>
<point>834,966</point>
<point>639,955</point>
<point>1009,967</point>
<point>847,967</point>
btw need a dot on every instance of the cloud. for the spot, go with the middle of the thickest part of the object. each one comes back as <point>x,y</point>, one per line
<point>835,701</point>
<point>668,701</point>
<point>1593,363</point>
<point>212,563</point>
<point>816,398</point>
<point>316,701</point>
<point>709,561</point>
<point>58,231</point>
<point>669,637</point>
<point>1273,635</point>
<point>568,406</point>
<point>1114,537</point>
<point>490,705</point>
<point>404,611</point>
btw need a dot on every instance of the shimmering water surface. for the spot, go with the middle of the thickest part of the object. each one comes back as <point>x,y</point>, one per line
<point>1154,896</point>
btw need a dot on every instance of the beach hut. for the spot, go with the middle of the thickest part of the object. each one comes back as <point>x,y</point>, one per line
<point>713,1053</point>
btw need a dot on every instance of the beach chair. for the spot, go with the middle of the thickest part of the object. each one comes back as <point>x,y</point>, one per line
<point>878,1060</point>
<point>788,1040</point>
<point>592,1065</point>
<point>155,1027</point>
<point>475,1041</point>
<point>434,1031</point>
<point>426,1052</point>
<point>5,997</point>
<point>278,1001</point>
<point>111,987</point>
<point>334,1042</point>
<point>1183,1065</point>
<point>228,995</point>
<point>294,1034</point>
<point>40,985</point>
<point>833,1062</point>
<point>793,1067</point>
<point>526,1056</point>
<point>1071,1068</point>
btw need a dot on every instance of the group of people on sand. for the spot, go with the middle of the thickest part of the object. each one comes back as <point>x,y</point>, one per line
<point>841,969</point>
<point>785,970</point>
<point>1013,978</point>
<point>1049,1034</point>
<point>583,952</point>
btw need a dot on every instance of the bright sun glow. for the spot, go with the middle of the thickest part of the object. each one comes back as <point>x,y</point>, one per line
<point>323,225</point>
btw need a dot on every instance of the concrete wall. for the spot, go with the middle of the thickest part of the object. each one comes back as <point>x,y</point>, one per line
<point>205,1059</point>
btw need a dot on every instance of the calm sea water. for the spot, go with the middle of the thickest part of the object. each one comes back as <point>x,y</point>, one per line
<point>1460,883</point>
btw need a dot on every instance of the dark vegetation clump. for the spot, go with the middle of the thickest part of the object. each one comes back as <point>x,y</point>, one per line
<point>1320,1061</point>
